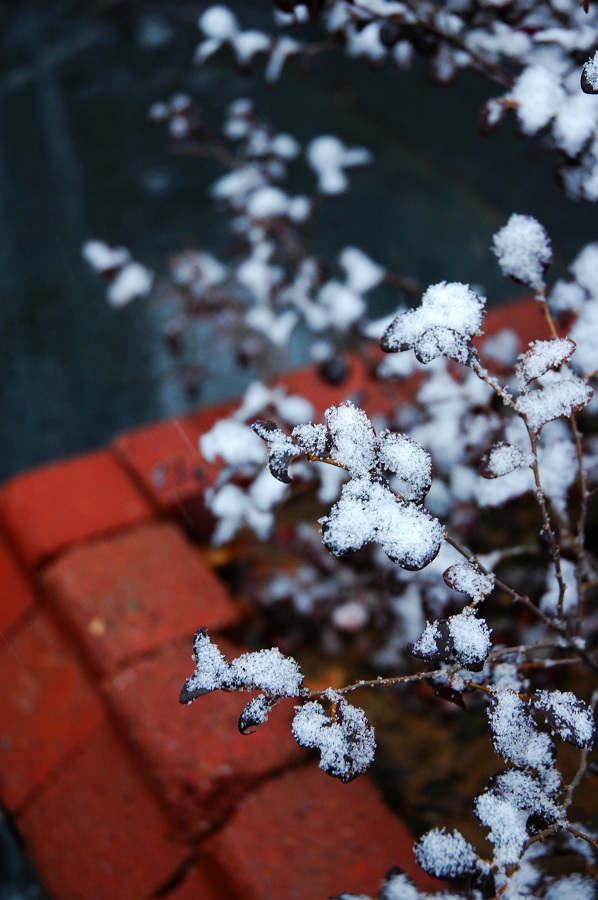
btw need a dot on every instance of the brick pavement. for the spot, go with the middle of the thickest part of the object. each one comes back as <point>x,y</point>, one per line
<point>117,790</point>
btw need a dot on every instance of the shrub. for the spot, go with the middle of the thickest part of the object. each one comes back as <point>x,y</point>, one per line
<point>469,508</point>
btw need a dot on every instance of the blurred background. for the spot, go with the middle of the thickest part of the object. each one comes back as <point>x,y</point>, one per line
<point>79,160</point>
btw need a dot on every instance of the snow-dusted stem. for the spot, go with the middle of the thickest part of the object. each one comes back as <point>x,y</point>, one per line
<point>554,624</point>
<point>493,382</point>
<point>547,528</point>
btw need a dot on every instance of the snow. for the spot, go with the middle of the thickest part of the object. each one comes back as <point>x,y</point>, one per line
<point>346,745</point>
<point>575,124</point>
<point>449,315</point>
<point>313,439</point>
<point>341,306</point>
<point>133,281</point>
<point>445,854</point>
<point>265,670</point>
<point>467,578</point>
<point>538,94</point>
<point>557,398</point>
<point>249,43</point>
<point>585,268</point>
<point>362,273</point>
<point>570,718</point>
<point>103,258</point>
<point>502,347</point>
<point>585,335</point>
<point>218,23</point>
<point>501,459</point>
<point>471,638</point>
<point>255,713</point>
<point>351,616</point>
<point>542,356</point>
<point>407,459</point>
<point>234,442</point>
<point>523,250</point>
<point>267,202</point>
<point>328,157</point>
<point>549,600</point>
<point>367,511</point>
<point>506,824</point>
<point>590,72</point>
<point>353,437</point>
<point>578,886</point>
<point>514,733</point>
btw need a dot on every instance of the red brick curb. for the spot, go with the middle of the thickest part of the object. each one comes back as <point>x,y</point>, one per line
<point>117,790</point>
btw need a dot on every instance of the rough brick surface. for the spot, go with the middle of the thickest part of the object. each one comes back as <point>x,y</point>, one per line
<point>201,882</point>
<point>63,503</point>
<point>17,594</point>
<point>304,835</point>
<point>131,593</point>
<point>165,459</point>
<point>97,832</point>
<point>201,761</point>
<point>46,708</point>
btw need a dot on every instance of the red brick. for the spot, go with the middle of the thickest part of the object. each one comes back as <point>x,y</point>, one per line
<point>165,459</point>
<point>360,387</point>
<point>525,317</point>
<point>96,831</point>
<point>128,594</point>
<point>63,503</point>
<point>17,592</point>
<point>201,761</point>
<point>304,835</point>
<point>46,708</point>
<point>202,883</point>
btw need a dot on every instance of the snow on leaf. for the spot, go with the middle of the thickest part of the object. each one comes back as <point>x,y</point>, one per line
<point>467,578</point>
<point>449,315</point>
<point>558,398</point>
<point>538,93</point>
<point>435,643</point>
<point>542,356</point>
<point>263,670</point>
<point>501,459</point>
<point>255,713</point>
<point>471,639</point>
<point>523,250</point>
<point>406,458</point>
<point>568,716</point>
<point>589,75</point>
<point>514,733</point>
<point>266,670</point>
<point>506,824</point>
<point>346,741</point>
<point>281,449</point>
<point>368,511</point>
<point>353,437</point>
<point>313,439</point>
<point>212,670</point>
<point>445,854</point>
